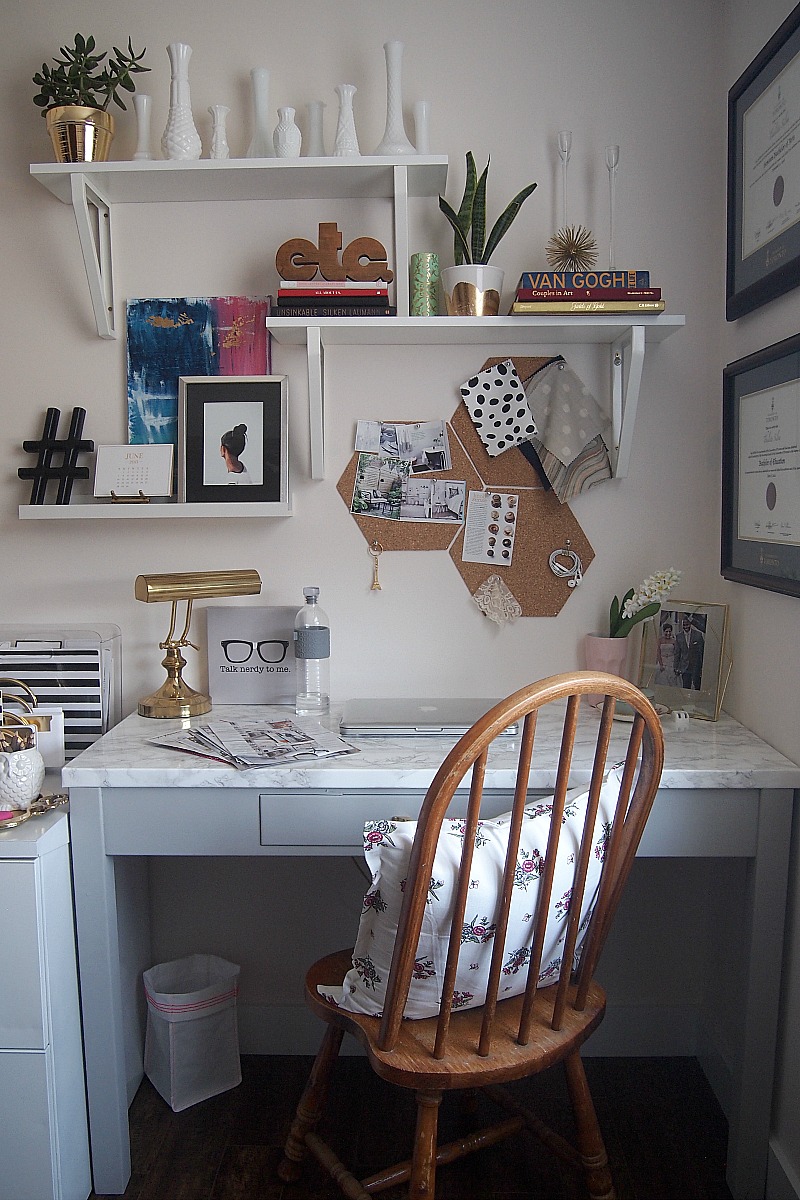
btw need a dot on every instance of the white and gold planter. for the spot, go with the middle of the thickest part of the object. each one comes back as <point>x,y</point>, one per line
<point>472,290</point>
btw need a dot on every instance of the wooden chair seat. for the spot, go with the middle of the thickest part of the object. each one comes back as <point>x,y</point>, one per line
<point>506,1037</point>
<point>411,1065</point>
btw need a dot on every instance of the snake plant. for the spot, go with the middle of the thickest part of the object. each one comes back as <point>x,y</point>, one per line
<point>470,244</point>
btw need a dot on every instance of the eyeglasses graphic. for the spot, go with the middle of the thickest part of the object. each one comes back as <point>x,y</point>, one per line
<point>238,652</point>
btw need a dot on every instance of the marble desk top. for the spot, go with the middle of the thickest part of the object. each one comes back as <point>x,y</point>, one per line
<point>699,754</point>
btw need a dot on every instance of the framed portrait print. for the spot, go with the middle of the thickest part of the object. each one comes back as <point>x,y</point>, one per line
<point>233,440</point>
<point>761,469</point>
<point>685,659</point>
<point>763,243</point>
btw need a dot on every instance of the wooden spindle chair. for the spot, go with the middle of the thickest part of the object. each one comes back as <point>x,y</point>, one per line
<point>512,1038</point>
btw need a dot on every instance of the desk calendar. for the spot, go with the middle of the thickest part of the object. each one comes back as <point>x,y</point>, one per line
<point>131,470</point>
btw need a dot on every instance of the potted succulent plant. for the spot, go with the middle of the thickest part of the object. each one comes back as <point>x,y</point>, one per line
<point>75,95</point>
<point>471,286</point>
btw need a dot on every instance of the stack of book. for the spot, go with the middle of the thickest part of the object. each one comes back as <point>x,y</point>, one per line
<point>574,292</point>
<point>317,298</point>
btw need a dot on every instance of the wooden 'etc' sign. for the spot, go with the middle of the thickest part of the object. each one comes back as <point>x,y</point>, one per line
<point>363,260</point>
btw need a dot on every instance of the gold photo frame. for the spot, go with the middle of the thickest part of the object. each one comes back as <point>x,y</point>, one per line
<point>685,659</point>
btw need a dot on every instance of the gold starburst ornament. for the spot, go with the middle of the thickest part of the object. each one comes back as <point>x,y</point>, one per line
<point>573,248</point>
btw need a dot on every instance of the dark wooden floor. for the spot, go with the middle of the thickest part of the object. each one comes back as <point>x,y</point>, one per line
<point>665,1135</point>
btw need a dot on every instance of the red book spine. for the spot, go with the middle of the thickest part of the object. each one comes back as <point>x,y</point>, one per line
<point>598,293</point>
<point>332,289</point>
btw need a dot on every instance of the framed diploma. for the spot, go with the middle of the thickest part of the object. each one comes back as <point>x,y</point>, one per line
<point>763,249</point>
<point>761,469</point>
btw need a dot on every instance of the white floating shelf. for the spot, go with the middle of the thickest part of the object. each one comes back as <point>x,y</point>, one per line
<point>103,511</point>
<point>552,330</point>
<point>625,334</point>
<point>156,182</point>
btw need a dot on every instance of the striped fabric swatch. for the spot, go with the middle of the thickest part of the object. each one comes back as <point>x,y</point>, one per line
<point>589,467</point>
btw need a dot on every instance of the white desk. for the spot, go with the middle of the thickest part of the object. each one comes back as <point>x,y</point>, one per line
<point>724,794</point>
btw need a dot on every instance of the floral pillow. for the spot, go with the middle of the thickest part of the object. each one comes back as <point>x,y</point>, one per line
<point>387,847</point>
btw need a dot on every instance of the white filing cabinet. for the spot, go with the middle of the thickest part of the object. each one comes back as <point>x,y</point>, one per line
<point>44,1146</point>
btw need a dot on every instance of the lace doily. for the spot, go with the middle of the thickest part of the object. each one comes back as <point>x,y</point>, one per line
<point>496,601</point>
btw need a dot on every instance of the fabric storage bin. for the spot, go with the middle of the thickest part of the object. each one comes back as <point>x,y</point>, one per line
<point>191,1049</point>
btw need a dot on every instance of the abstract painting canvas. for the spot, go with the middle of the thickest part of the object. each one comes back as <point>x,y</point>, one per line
<point>167,338</point>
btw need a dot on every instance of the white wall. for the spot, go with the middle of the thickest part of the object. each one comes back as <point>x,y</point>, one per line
<point>764,691</point>
<point>502,79</point>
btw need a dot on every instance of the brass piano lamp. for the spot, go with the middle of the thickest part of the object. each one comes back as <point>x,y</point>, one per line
<point>175,698</point>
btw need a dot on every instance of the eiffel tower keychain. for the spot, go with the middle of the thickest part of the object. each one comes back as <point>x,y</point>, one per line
<point>375,549</point>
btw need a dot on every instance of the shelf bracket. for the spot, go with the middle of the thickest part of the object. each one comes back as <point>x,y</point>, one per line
<point>401,256</point>
<point>627,362</point>
<point>93,218</point>
<point>315,352</point>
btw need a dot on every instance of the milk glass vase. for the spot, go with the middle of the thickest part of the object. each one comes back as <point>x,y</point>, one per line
<point>314,142</point>
<point>180,139</point>
<point>142,106</point>
<point>422,112</point>
<point>287,138</point>
<point>346,142</point>
<point>394,140</point>
<point>219,136</point>
<point>261,142</point>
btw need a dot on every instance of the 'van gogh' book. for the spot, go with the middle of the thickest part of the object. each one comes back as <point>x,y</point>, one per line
<point>584,279</point>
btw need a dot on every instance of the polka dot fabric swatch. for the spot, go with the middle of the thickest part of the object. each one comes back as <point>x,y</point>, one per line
<point>496,401</point>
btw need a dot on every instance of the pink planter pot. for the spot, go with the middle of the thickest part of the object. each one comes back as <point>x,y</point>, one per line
<point>605,654</point>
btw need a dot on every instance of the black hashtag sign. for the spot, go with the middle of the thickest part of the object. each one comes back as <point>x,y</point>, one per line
<point>49,447</point>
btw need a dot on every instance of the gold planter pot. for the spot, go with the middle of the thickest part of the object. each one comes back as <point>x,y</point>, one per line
<point>80,134</point>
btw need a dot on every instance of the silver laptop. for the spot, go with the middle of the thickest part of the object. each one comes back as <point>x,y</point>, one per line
<point>398,717</point>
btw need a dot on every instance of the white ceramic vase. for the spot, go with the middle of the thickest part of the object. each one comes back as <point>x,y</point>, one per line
<point>422,112</point>
<point>394,140</point>
<point>286,137</point>
<point>314,142</point>
<point>346,142</point>
<point>180,139</point>
<point>261,141</point>
<point>219,134</point>
<point>142,107</point>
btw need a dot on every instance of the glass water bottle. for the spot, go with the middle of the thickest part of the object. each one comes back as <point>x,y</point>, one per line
<point>312,651</point>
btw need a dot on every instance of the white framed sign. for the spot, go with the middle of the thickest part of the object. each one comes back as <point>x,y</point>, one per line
<point>251,654</point>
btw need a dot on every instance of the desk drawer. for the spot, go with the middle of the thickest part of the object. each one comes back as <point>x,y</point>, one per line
<point>336,818</point>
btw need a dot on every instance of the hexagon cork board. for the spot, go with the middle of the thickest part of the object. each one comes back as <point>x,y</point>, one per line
<point>543,524</point>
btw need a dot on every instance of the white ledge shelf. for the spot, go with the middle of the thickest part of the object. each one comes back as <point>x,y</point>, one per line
<point>555,329</point>
<point>103,511</point>
<point>155,182</point>
<point>626,335</point>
